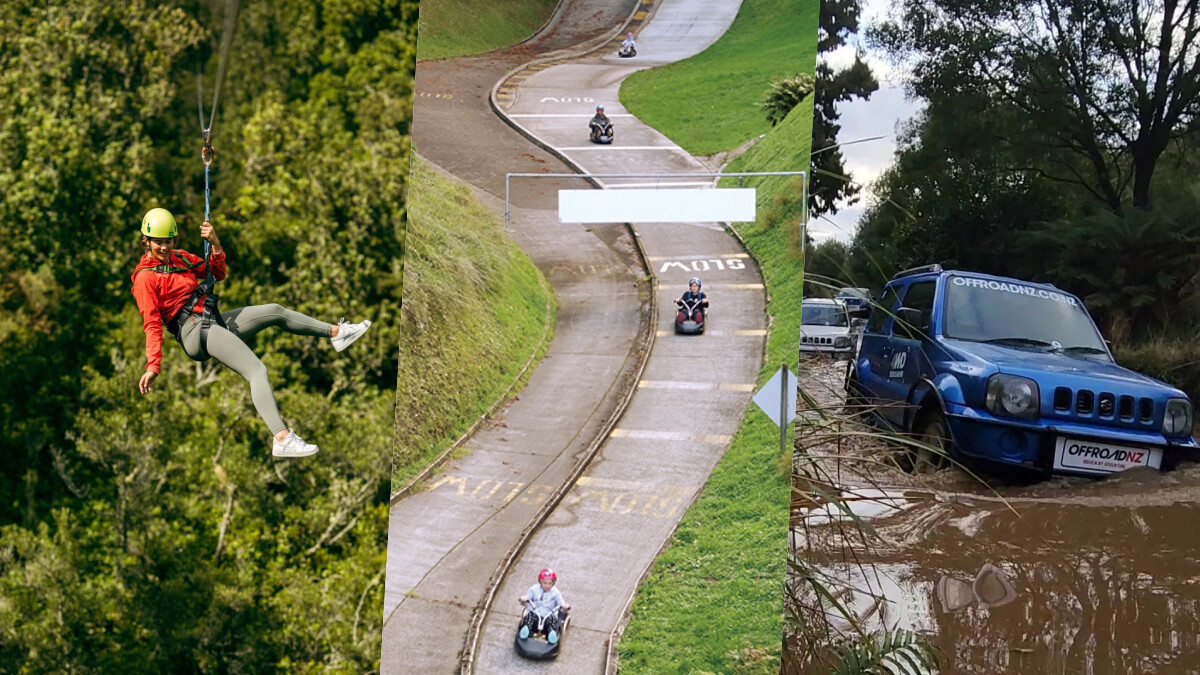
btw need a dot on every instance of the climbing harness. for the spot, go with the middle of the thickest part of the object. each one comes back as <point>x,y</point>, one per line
<point>210,314</point>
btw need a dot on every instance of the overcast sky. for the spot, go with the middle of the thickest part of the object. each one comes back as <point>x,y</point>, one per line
<point>878,116</point>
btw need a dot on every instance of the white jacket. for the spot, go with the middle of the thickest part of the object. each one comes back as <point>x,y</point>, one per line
<point>544,603</point>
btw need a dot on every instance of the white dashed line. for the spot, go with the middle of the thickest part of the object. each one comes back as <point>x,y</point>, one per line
<point>670,436</point>
<point>705,386</point>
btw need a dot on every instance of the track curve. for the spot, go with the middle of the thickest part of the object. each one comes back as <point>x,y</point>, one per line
<point>447,538</point>
<point>603,537</point>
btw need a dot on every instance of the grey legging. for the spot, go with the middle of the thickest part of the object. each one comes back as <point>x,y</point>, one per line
<point>227,347</point>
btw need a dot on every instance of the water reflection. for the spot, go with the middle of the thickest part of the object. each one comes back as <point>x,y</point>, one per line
<point>1074,581</point>
<point>989,588</point>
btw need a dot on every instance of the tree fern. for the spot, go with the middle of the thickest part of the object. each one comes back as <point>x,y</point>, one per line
<point>784,95</point>
<point>895,652</point>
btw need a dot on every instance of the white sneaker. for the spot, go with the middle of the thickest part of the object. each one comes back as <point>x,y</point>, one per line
<point>348,332</point>
<point>293,446</point>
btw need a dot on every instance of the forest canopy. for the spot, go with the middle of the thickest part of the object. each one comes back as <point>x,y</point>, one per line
<point>150,534</point>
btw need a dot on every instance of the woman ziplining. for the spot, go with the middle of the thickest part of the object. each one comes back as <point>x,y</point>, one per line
<point>169,292</point>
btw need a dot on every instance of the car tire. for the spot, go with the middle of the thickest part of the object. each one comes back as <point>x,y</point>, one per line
<point>931,428</point>
<point>855,407</point>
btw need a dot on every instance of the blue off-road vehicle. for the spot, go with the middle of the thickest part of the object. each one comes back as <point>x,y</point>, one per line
<point>1013,372</point>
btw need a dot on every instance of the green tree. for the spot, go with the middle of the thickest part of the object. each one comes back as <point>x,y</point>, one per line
<point>827,268</point>
<point>1111,84</point>
<point>150,534</point>
<point>830,181</point>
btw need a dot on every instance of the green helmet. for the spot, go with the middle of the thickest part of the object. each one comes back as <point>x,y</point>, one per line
<point>159,224</point>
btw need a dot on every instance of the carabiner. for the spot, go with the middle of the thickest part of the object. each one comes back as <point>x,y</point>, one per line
<point>207,154</point>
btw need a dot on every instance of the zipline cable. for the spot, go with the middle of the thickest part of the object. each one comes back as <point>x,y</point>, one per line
<point>211,313</point>
<point>207,153</point>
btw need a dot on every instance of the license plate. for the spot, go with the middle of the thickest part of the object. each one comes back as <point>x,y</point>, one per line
<point>1101,457</point>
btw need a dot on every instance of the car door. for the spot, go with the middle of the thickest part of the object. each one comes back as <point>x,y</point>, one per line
<point>906,361</point>
<point>875,352</point>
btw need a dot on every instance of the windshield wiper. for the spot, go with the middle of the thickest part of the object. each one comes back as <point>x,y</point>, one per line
<point>1083,350</point>
<point>1018,341</point>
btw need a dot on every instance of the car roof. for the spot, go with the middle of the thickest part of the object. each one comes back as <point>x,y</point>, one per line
<point>933,271</point>
<point>821,301</point>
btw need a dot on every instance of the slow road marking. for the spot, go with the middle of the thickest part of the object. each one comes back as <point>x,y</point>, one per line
<point>619,497</point>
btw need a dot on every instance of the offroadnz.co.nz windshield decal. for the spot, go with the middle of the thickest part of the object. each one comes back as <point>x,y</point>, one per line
<point>1017,289</point>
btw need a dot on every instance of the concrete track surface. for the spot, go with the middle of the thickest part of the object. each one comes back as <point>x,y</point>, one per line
<point>448,538</point>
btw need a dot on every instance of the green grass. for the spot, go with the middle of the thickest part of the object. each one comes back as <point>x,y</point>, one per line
<point>706,103</point>
<point>1174,360</point>
<point>475,310</point>
<point>466,27</point>
<point>714,600</point>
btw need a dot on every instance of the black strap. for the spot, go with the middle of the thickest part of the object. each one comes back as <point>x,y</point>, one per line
<point>168,268</point>
<point>210,314</point>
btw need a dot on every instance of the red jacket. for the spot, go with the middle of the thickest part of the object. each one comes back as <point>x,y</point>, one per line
<point>160,295</point>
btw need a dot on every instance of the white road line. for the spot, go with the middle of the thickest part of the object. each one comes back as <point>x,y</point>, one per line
<point>583,115</point>
<point>707,386</point>
<point>696,257</point>
<point>670,436</point>
<point>598,146</point>
<point>718,333</point>
<point>654,185</point>
<point>738,287</point>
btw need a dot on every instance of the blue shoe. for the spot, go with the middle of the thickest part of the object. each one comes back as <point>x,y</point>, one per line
<point>552,637</point>
<point>524,632</point>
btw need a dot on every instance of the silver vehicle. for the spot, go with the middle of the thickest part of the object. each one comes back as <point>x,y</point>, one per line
<point>825,328</point>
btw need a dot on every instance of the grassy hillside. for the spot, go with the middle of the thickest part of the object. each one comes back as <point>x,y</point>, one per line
<point>466,27</point>
<point>722,575</point>
<point>475,311</point>
<point>785,148</point>
<point>706,103</point>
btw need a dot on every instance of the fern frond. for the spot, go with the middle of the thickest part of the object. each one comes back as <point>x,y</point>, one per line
<point>894,652</point>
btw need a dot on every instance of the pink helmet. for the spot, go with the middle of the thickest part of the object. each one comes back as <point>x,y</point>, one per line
<point>547,573</point>
<point>629,35</point>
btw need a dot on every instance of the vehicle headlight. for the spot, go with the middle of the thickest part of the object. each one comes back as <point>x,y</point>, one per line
<point>1012,395</point>
<point>1177,420</point>
<point>841,342</point>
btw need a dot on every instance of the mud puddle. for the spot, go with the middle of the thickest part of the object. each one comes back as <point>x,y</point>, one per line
<point>1062,576</point>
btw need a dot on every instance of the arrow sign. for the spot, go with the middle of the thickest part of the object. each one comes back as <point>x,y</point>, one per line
<point>777,399</point>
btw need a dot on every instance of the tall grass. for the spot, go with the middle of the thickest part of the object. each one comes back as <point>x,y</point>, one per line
<point>450,28</point>
<point>475,312</point>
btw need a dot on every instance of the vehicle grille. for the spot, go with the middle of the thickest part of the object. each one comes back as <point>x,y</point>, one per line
<point>1104,405</point>
<point>805,340</point>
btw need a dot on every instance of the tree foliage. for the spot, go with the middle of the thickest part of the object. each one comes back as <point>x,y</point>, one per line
<point>1109,83</point>
<point>149,534</point>
<point>1047,126</point>
<point>830,181</point>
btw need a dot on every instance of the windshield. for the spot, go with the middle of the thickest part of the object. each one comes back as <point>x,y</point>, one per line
<point>823,315</point>
<point>1005,312</point>
<point>853,293</point>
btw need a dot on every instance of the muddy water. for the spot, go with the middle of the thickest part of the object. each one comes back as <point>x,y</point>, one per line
<point>1065,576</point>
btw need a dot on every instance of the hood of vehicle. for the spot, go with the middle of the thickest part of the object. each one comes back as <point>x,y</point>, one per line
<point>824,331</point>
<point>1051,369</point>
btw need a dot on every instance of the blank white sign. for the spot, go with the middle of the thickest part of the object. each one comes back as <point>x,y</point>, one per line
<point>649,205</point>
